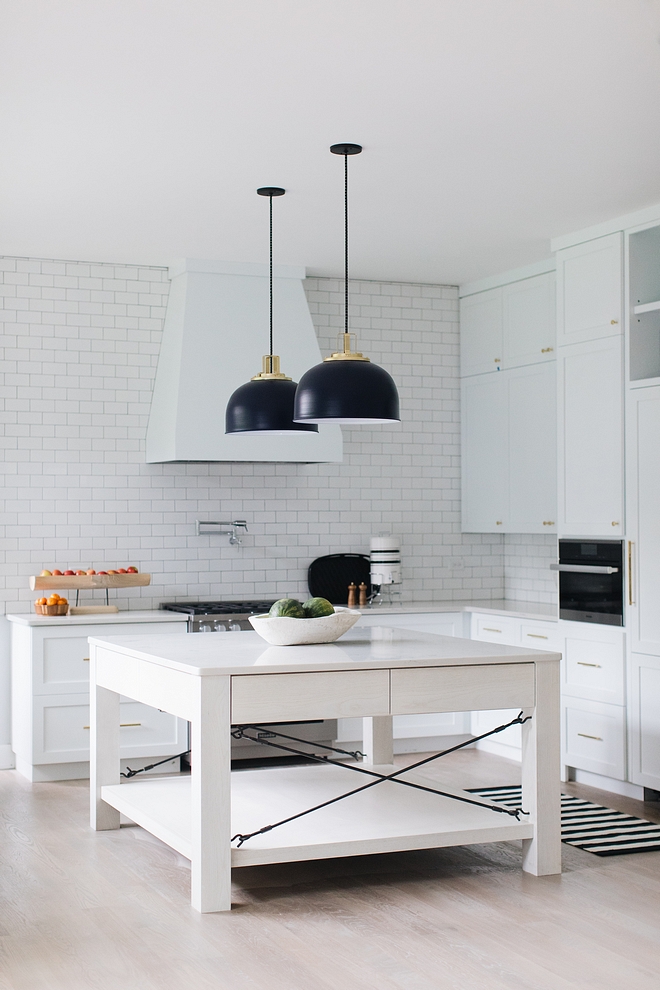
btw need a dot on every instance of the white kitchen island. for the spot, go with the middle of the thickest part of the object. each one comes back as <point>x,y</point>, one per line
<point>373,673</point>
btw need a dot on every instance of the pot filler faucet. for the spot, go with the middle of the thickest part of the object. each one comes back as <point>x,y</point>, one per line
<point>204,528</point>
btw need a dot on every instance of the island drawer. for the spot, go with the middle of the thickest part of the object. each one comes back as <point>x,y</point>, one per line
<point>322,694</point>
<point>416,690</point>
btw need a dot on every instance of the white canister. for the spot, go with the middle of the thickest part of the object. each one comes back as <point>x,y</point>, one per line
<point>385,560</point>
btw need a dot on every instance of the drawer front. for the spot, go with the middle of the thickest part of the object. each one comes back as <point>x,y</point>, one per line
<point>63,666</point>
<point>61,730</point>
<point>496,629</point>
<point>61,656</point>
<point>540,636</point>
<point>594,670</point>
<point>594,738</point>
<point>323,694</point>
<point>416,690</point>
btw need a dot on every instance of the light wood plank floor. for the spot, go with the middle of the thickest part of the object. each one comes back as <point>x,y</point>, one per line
<point>110,911</point>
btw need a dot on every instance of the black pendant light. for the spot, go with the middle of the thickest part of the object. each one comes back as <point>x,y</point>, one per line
<point>265,404</point>
<point>346,387</point>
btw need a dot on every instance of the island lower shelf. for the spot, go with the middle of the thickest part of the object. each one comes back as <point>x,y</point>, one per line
<point>385,818</point>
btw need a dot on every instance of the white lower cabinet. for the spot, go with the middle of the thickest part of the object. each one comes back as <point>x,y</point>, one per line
<point>645,720</point>
<point>594,737</point>
<point>50,700</point>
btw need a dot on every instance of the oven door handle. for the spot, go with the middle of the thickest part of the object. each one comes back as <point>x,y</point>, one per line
<point>584,568</point>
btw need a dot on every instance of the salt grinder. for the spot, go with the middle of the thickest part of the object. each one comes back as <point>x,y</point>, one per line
<point>352,595</point>
<point>363,595</point>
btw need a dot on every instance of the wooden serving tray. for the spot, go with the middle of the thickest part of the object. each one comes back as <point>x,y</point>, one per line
<point>68,582</point>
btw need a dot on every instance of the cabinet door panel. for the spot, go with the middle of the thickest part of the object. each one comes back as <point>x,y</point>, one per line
<point>485,475</point>
<point>644,518</point>
<point>645,719</point>
<point>532,450</point>
<point>589,290</point>
<point>590,439</point>
<point>529,321</point>
<point>481,332</point>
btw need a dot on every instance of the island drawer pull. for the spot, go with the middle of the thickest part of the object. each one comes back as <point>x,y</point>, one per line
<point>536,636</point>
<point>585,735</point>
<point>489,629</point>
<point>122,725</point>
<point>583,663</point>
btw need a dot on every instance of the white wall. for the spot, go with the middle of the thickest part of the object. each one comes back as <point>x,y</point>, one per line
<point>80,346</point>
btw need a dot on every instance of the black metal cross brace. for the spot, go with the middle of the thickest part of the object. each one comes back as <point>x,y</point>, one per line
<point>240,732</point>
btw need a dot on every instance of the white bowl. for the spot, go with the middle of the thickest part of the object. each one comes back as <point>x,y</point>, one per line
<point>282,630</point>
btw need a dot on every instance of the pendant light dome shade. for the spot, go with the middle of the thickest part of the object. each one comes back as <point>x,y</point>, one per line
<point>350,392</point>
<point>346,387</point>
<point>265,403</point>
<point>264,406</point>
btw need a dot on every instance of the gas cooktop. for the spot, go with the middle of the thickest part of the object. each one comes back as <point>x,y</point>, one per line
<point>218,608</point>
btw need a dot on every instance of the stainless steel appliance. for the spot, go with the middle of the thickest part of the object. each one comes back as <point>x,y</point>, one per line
<point>591,581</point>
<point>228,617</point>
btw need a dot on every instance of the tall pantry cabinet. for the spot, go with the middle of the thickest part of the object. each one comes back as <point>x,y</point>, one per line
<point>509,406</point>
<point>643,500</point>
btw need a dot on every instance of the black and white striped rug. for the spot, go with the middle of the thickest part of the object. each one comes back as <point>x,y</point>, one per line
<point>588,826</point>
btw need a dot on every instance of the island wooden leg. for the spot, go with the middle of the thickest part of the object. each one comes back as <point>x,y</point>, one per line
<point>211,796</point>
<point>541,791</point>
<point>377,740</point>
<point>103,750</point>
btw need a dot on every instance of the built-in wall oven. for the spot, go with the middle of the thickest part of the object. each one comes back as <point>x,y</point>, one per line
<point>591,581</point>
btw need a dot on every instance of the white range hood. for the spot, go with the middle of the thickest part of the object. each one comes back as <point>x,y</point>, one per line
<point>214,337</point>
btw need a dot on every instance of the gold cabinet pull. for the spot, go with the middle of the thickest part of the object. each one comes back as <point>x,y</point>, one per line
<point>630,576</point>
<point>536,636</point>
<point>615,524</point>
<point>85,659</point>
<point>547,350</point>
<point>583,663</point>
<point>548,522</point>
<point>497,360</point>
<point>614,322</point>
<point>486,629</point>
<point>585,735</point>
<point>498,522</point>
<point>122,725</point>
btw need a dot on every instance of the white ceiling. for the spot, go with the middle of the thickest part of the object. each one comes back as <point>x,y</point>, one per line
<point>138,130</point>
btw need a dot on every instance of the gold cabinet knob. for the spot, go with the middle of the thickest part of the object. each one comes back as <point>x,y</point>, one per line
<point>498,522</point>
<point>615,524</point>
<point>614,322</point>
<point>497,360</point>
<point>547,350</point>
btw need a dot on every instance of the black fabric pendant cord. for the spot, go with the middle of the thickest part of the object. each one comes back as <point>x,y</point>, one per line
<point>261,734</point>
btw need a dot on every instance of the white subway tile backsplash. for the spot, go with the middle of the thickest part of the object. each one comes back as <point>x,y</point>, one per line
<point>81,344</point>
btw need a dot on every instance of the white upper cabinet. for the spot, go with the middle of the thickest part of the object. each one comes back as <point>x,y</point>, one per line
<point>589,290</point>
<point>643,507</point>
<point>532,450</point>
<point>485,454</point>
<point>529,321</point>
<point>481,332</point>
<point>509,451</point>
<point>590,438</point>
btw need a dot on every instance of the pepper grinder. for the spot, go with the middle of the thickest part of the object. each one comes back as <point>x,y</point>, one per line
<point>352,595</point>
<point>363,595</point>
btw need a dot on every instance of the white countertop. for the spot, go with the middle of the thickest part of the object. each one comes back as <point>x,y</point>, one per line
<point>99,619</point>
<point>519,610</point>
<point>377,647</point>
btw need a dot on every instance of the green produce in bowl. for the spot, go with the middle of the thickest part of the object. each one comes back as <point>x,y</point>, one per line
<point>314,608</point>
<point>288,607</point>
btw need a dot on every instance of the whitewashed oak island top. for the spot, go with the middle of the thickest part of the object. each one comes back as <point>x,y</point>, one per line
<point>374,673</point>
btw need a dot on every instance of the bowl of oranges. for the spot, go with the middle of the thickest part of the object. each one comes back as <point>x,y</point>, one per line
<point>53,605</point>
